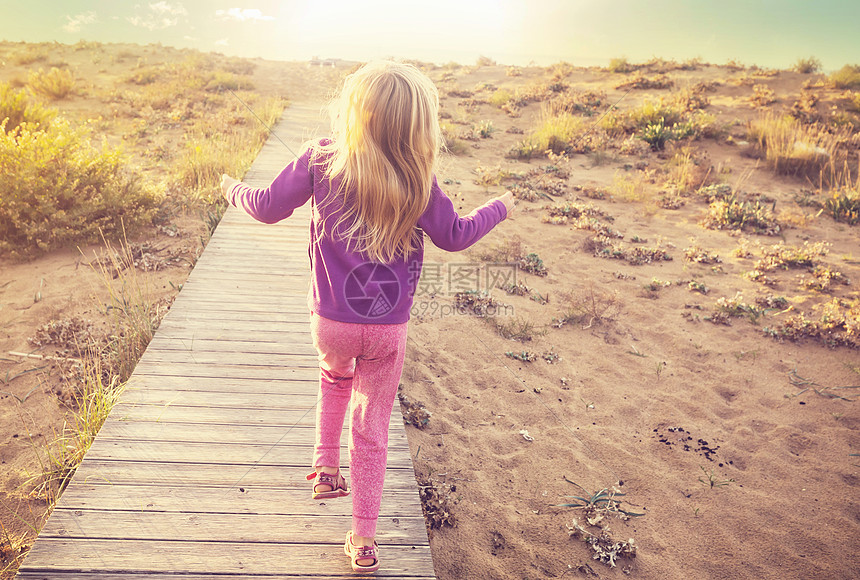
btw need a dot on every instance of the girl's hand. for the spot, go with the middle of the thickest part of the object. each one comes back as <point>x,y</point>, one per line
<point>510,202</point>
<point>227,184</point>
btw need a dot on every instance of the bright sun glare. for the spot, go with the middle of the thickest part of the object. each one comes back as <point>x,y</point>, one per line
<point>379,28</point>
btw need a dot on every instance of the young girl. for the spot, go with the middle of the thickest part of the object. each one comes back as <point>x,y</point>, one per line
<point>373,196</point>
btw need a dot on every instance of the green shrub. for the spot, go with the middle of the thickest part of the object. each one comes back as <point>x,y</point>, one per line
<point>500,97</point>
<point>844,206</point>
<point>620,65</point>
<point>652,113</point>
<point>807,65</point>
<point>848,77</point>
<point>16,108</point>
<point>220,81</point>
<point>54,84</point>
<point>557,133</point>
<point>144,76</point>
<point>31,54</point>
<point>657,134</point>
<point>794,148</point>
<point>732,214</point>
<point>56,189</point>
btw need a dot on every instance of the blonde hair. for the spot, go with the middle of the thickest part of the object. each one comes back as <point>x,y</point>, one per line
<point>384,146</point>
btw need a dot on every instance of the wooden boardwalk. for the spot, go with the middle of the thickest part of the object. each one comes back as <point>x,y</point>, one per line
<point>200,469</point>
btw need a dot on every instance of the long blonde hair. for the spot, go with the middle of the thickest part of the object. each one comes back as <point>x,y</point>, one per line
<point>384,146</point>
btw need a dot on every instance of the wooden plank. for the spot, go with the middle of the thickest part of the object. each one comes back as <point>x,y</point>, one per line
<point>155,498</point>
<point>222,384</point>
<point>213,300</point>
<point>222,416</point>
<point>191,334</point>
<point>212,475</point>
<point>299,360</point>
<point>216,314</point>
<point>297,397</point>
<point>196,432</point>
<point>220,371</point>
<point>298,327</point>
<point>180,557</point>
<point>161,342</point>
<point>231,527</point>
<point>297,455</point>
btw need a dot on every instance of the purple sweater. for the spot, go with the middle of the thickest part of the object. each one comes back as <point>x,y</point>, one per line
<point>346,285</point>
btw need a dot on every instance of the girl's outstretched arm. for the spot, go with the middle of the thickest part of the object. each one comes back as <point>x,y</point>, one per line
<point>289,190</point>
<point>453,233</point>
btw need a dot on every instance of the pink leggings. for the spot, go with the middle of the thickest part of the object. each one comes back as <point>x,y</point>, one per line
<point>361,364</point>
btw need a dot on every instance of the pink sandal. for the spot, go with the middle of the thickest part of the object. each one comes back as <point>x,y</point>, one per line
<point>357,553</point>
<point>335,481</point>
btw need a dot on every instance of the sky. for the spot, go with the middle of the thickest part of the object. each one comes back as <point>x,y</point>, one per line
<point>767,33</point>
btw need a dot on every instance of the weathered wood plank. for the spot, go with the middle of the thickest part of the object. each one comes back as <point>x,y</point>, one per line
<point>297,397</point>
<point>201,432</point>
<point>221,416</point>
<point>226,557</point>
<point>212,475</point>
<point>156,498</point>
<point>216,371</point>
<point>163,342</point>
<point>295,455</point>
<point>302,360</point>
<point>140,381</point>
<point>230,527</point>
<point>191,334</point>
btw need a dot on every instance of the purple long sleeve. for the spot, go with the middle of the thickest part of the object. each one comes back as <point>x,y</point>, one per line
<point>347,285</point>
<point>451,232</point>
<point>289,190</point>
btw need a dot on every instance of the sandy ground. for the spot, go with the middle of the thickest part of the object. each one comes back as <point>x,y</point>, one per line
<point>649,398</point>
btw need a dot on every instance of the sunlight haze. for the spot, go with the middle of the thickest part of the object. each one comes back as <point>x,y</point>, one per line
<point>584,32</point>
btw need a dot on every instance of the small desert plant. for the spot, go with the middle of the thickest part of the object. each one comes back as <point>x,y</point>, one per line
<point>696,254</point>
<point>822,278</point>
<point>712,480</point>
<point>588,307</point>
<point>93,400</point>
<point>848,77</point>
<point>807,65</point>
<point>596,507</point>
<point>640,81</point>
<point>54,84</point>
<point>451,137</point>
<point>727,308</point>
<point>620,65</point>
<point>16,108</point>
<point>30,55</point>
<point>477,302</point>
<point>651,112</point>
<point>781,256</point>
<point>436,503</point>
<point>485,129</point>
<point>793,148</point>
<point>732,214</point>
<point>144,75</point>
<point>844,206</point>
<point>413,412</point>
<point>838,325</point>
<point>516,328</point>
<point>500,97</point>
<point>762,96</point>
<point>556,133</point>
